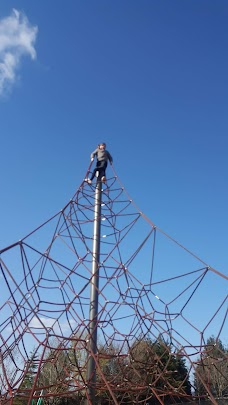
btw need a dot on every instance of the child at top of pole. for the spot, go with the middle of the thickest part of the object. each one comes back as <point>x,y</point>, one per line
<point>103,156</point>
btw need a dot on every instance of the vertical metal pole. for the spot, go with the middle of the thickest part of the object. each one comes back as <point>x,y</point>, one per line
<point>94,288</point>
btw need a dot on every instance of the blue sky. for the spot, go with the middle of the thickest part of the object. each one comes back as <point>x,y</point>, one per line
<point>147,77</point>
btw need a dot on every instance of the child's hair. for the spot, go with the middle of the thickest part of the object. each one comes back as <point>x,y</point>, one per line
<point>102,143</point>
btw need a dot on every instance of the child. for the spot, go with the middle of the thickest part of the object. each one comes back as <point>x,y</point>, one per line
<point>103,156</point>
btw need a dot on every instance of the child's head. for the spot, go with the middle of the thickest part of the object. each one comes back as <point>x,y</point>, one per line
<point>102,145</point>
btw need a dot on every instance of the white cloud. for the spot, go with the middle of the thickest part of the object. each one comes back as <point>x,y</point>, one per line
<point>41,322</point>
<point>17,39</point>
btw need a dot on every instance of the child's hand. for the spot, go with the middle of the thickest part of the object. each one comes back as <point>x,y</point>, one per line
<point>92,159</point>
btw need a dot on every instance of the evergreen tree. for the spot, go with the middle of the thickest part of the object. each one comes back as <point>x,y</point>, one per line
<point>211,374</point>
<point>155,371</point>
<point>162,371</point>
<point>26,386</point>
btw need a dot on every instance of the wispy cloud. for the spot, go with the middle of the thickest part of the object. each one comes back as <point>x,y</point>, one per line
<point>40,323</point>
<point>17,39</point>
<point>49,323</point>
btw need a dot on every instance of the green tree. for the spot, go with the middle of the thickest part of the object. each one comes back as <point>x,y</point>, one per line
<point>162,373</point>
<point>24,391</point>
<point>62,375</point>
<point>211,373</point>
<point>148,370</point>
<point>110,373</point>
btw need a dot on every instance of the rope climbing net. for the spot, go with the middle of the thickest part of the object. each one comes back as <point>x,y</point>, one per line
<point>161,313</point>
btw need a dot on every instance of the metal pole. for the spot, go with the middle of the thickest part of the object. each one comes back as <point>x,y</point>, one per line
<point>94,288</point>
